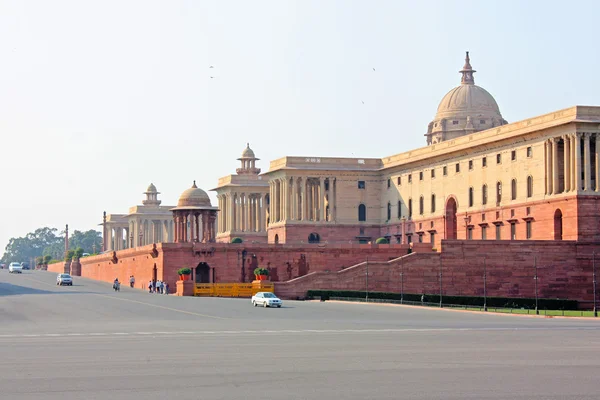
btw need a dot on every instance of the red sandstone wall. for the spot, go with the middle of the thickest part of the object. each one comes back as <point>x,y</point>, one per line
<point>564,271</point>
<point>297,234</point>
<point>58,267</point>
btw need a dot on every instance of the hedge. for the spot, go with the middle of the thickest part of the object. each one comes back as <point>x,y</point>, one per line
<point>509,302</point>
<point>236,240</point>
<point>382,240</point>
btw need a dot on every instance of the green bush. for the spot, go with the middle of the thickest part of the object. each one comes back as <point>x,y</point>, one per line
<point>236,240</point>
<point>184,271</point>
<point>47,259</point>
<point>69,255</point>
<point>508,302</point>
<point>261,271</point>
<point>78,253</point>
<point>382,240</point>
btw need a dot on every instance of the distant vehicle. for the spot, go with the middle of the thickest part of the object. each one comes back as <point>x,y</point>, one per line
<point>25,265</point>
<point>2,266</point>
<point>266,299</point>
<point>64,279</point>
<point>15,268</point>
<point>85,255</point>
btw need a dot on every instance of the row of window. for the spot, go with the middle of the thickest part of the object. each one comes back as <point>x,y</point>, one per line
<point>513,157</point>
<point>484,233</point>
<point>484,198</point>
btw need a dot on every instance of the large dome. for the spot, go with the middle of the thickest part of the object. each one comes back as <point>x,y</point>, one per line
<point>466,109</point>
<point>468,100</point>
<point>194,197</point>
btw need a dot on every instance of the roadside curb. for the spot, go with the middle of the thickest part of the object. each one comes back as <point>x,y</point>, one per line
<point>459,310</point>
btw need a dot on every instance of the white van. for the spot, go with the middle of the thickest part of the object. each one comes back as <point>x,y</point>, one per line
<point>15,268</point>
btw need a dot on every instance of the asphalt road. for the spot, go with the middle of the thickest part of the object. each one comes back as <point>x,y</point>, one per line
<point>87,342</point>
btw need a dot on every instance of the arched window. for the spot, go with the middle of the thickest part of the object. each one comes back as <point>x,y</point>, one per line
<point>529,186</point>
<point>484,194</point>
<point>498,193</point>
<point>471,199</point>
<point>513,189</point>
<point>314,238</point>
<point>409,208</point>
<point>421,205</point>
<point>362,213</point>
<point>389,211</point>
<point>433,203</point>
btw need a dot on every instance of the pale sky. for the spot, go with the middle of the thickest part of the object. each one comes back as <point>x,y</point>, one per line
<point>100,98</point>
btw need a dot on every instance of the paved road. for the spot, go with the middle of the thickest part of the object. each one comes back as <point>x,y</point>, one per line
<point>87,342</point>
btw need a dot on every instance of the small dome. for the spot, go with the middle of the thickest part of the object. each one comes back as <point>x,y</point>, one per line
<point>248,153</point>
<point>151,189</point>
<point>194,197</point>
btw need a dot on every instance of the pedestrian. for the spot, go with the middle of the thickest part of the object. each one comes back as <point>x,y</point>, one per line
<point>149,286</point>
<point>131,281</point>
<point>422,298</point>
<point>166,287</point>
<point>158,286</point>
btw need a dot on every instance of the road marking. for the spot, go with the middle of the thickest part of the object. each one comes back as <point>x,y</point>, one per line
<point>280,332</point>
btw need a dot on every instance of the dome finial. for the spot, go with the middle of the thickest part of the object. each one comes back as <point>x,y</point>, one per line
<point>467,72</point>
<point>194,185</point>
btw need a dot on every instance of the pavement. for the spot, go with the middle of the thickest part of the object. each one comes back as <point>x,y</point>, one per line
<point>87,342</point>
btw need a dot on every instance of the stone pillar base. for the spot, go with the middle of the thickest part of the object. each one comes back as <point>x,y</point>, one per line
<point>75,268</point>
<point>67,267</point>
<point>185,288</point>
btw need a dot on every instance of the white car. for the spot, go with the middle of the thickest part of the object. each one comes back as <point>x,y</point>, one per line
<point>15,268</point>
<point>64,279</point>
<point>266,299</point>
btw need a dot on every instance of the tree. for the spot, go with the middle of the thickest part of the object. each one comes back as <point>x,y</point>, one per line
<point>90,241</point>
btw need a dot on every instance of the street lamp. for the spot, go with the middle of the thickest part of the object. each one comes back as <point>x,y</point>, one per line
<point>367,282</point>
<point>594,282</point>
<point>536,285</point>
<point>484,285</point>
<point>440,280</point>
<point>401,281</point>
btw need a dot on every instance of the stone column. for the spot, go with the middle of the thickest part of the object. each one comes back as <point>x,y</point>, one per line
<point>555,183</point>
<point>546,169</point>
<point>333,201</point>
<point>302,200</point>
<point>597,159</point>
<point>567,166</point>
<point>577,162</point>
<point>322,200</point>
<point>587,162</point>
<point>572,142</point>
<point>192,227</point>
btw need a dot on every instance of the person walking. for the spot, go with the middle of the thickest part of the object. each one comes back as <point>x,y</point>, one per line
<point>166,287</point>
<point>131,281</point>
<point>149,286</point>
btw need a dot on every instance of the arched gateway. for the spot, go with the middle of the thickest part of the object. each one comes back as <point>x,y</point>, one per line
<point>451,219</point>
<point>203,273</point>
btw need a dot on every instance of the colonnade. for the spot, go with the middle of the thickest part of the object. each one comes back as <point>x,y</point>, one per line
<point>302,199</point>
<point>115,240</point>
<point>242,212</point>
<point>567,169</point>
<point>138,232</point>
<point>194,225</point>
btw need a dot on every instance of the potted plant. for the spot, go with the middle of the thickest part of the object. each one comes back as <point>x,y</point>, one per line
<point>184,274</point>
<point>261,274</point>
<point>382,240</point>
<point>236,240</point>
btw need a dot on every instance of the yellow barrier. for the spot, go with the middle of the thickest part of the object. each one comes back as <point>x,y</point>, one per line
<point>231,289</point>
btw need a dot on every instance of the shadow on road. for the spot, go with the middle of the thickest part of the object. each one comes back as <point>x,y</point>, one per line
<point>8,289</point>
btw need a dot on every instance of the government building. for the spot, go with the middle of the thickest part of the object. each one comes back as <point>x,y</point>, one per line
<point>479,177</point>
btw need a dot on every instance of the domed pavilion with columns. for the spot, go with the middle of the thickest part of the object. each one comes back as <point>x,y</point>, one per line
<point>194,217</point>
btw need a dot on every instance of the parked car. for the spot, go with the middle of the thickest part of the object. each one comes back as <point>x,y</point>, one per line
<point>25,265</point>
<point>266,299</point>
<point>64,279</point>
<point>15,268</point>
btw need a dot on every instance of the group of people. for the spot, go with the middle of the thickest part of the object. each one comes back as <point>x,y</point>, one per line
<point>158,287</point>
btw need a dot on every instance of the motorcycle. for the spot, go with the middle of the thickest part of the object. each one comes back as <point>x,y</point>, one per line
<point>117,286</point>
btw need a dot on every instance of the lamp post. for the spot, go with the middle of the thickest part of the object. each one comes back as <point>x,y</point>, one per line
<point>484,285</point>
<point>536,285</point>
<point>440,280</point>
<point>594,282</point>
<point>367,282</point>
<point>401,281</point>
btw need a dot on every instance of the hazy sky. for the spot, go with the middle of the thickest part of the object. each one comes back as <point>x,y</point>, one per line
<point>100,98</point>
